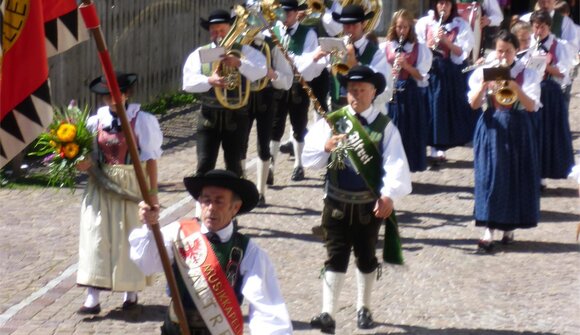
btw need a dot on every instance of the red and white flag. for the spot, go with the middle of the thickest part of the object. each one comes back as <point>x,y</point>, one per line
<point>32,31</point>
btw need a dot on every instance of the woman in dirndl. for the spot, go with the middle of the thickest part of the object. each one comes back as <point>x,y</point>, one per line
<point>408,107</point>
<point>505,148</point>
<point>451,39</point>
<point>109,208</point>
<point>555,140</point>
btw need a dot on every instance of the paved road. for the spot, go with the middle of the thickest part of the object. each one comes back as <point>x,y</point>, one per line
<point>530,287</point>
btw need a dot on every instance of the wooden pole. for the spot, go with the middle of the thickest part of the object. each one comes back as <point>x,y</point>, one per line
<point>92,23</point>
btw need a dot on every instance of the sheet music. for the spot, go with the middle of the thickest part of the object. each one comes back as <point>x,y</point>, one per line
<point>211,54</point>
<point>329,44</point>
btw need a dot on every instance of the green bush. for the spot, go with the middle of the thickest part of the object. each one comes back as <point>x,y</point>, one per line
<point>167,101</point>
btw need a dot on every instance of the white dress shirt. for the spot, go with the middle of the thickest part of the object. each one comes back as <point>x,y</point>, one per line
<point>493,12</point>
<point>284,72</point>
<point>194,81</point>
<point>397,177</point>
<point>267,313</point>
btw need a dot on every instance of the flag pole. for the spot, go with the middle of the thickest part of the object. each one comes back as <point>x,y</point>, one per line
<point>89,13</point>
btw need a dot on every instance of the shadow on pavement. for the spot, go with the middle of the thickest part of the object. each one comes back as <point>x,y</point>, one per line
<point>551,216</point>
<point>141,313</point>
<point>428,188</point>
<point>418,220</point>
<point>417,330</point>
<point>272,233</point>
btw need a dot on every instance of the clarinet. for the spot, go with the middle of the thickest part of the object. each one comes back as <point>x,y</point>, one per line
<point>397,69</point>
<point>435,46</point>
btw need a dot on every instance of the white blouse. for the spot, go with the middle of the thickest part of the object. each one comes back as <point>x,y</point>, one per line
<point>147,129</point>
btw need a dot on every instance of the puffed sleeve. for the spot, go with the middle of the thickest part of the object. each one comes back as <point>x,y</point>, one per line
<point>421,29</point>
<point>532,87</point>
<point>150,136</point>
<point>465,40</point>
<point>283,70</point>
<point>493,12</point>
<point>474,83</point>
<point>424,61</point>
<point>267,313</point>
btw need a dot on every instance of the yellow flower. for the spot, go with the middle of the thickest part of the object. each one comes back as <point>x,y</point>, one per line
<point>66,132</point>
<point>71,150</point>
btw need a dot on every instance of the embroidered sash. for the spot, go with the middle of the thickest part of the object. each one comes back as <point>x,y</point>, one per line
<point>206,281</point>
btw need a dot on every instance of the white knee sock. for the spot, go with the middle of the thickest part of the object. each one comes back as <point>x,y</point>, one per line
<point>488,235</point>
<point>298,149</point>
<point>261,176</point>
<point>331,286</point>
<point>92,297</point>
<point>274,150</point>
<point>130,296</point>
<point>365,283</point>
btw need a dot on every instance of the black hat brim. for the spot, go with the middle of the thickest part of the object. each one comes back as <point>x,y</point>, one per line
<point>244,188</point>
<point>340,19</point>
<point>98,86</point>
<point>206,23</point>
<point>377,79</point>
<point>298,8</point>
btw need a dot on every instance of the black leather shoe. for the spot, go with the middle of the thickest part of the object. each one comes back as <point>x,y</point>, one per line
<point>128,305</point>
<point>270,179</point>
<point>298,174</point>
<point>484,247</point>
<point>287,148</point>
<point>324,322</point>
<point>90,310</point>
<point>364,319</point>
<point>261,201</point>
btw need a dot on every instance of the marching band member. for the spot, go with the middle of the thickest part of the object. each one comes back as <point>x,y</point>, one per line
<point>523,31</point>
<point>505,149</point>
<point>408,108</point>
<point>260,109</point>
<point>556,152</point>
<point>360,51</point>
<point>451,39</point>
<point>356,204</point>
<point>219,125</point>
<point>300,41</point>
<point>562,26</point>
<point>235,267</point>
<point>491,20</point>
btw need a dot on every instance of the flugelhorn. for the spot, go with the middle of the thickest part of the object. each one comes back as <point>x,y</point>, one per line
<point>504,95</point>
<point>338,66</point>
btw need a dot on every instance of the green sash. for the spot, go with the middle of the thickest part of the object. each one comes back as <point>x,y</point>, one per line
<point>362,151</point>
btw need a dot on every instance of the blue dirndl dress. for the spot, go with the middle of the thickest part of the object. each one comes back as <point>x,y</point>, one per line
<point>507,183</point>
<point>556,154</point>
<point>409,111</point>
<point>452,120</point>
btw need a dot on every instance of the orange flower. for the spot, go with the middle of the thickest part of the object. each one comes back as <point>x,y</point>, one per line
<point>66,132</point>
<point>71,150</point>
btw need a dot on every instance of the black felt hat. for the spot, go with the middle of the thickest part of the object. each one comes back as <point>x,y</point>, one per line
<point>99,85</point>
<point>352,14</point>
<point>293,5</point>
<point>216,16</point>
<point>244,188</point>
<point>361,73</point>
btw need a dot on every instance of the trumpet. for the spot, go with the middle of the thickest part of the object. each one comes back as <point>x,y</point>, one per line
<point>397,69</point>
<point>470,68</point>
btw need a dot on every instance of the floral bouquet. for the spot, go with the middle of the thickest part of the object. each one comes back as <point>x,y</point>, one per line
<point>66,142</point>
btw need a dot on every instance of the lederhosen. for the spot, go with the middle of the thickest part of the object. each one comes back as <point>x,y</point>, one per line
<point>229,261</point>
<point>261,109</point>
<point>338,93</point>
<point>295,102</point>
<point>219,126</point>
<point>347,216</point>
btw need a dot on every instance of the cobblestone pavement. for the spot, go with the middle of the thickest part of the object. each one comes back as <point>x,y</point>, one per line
<point>530,287</point>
